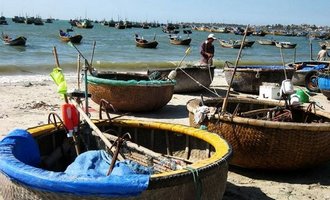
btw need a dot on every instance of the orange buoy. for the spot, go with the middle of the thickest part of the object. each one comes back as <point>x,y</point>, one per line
<point>75,117</point>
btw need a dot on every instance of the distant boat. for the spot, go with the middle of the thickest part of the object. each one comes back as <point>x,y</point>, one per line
<point>65,37</point>
<point>230,44</point>
<point>120,25</point>
<point>285,45</point>
<point>38,21</point>
<point>247,43</point>
<point>3,20</point>
<point>84,24</point>
<point>29,20</point>
<point>266,42</point>
<point>49,20</point>
<point>18,19</point>
<point>140,42</point>
<point>177,40</point>
<point>259,33</point>
<point>19,41</point>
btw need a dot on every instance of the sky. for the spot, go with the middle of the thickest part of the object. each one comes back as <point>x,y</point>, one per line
<point>253,12</point>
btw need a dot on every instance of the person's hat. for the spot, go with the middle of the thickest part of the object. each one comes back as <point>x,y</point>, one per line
<point>211,36</point>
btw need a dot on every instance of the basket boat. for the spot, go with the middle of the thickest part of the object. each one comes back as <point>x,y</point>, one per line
<point>188,79</point>
<point>323,81</point>
<point>204,177</point>
<point>267,144</point>
<point>131,92</point>
<point>248,79</point>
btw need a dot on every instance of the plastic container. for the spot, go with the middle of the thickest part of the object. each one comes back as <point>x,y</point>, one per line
<point>303,97</point>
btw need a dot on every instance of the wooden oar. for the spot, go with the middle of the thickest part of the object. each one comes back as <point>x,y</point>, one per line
<point>97,130</point>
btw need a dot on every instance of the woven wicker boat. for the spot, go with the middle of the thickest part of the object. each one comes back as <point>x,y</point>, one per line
<point>205,177</point>
<point>248,79</point>
<point>189,79</point>
<point>266,144</point>
<point>130,91</point>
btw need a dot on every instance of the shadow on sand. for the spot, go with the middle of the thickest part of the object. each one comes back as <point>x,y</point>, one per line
<point>244,193</point>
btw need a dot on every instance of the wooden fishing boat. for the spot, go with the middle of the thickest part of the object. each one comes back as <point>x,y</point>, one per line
<point>130,91</point>
<point>266,135</point>
<point>266,42</point>
<point>65,37</point>
<point>187,163</point>
<point>323,82</point>
<point>188,79</point>
<point>306,73</point>
<point>247,43</point>
<point>140,42</point>
<point>248,79</point>
<point>285,45</point>
<point>84,24</point>
<point>19,41</point>
<point>179,41</point>
<point>229,44</point>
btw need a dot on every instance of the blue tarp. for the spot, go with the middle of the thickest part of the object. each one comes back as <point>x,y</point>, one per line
<point>20,157</point>
<point>310,68</point>
<point>273,67</point>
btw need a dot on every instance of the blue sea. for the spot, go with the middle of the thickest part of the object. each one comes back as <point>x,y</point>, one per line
<point>115,49</point>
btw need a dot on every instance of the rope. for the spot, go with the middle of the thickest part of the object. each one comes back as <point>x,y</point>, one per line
<point>208,89</point>
<point>197,182</point>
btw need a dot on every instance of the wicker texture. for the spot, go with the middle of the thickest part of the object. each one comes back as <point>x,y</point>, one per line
<point>269,145</point>
<point>132,98</point>
<point>212,171</point>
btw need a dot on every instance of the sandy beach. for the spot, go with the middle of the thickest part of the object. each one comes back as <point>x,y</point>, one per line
<point>27,101</point>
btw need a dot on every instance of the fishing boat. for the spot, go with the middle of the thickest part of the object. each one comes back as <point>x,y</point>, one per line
<point>230,44</point>
<point>84,24</point>
<point>323,82</point>
<point>177,40</point>
<point>285,45</point>
<point>132,92</point>
<point>306,73</point>
<point>141,42</point>
<point>266,134</point>
<point>266,42</point>
<point>247,43</point>
<point>66,37</point>
<point>248,79</point>
<point>160,161</point>
<point>19,41</point>
<point>189,78</point>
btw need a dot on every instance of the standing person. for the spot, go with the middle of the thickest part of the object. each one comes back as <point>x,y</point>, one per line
<point>207,50</point>
<point>321,56</point>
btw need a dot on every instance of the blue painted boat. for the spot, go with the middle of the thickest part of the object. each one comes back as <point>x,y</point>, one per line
<point>323,81</point>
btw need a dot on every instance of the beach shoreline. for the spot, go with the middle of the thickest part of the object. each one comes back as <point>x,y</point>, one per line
<point>27,101</point>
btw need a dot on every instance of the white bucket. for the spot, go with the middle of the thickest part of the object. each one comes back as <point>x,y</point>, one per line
<point>287,87</point>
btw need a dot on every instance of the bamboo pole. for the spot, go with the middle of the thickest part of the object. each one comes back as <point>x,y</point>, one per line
<point>97,130</point>
<point>225,101</point>
<point>283,63</point>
